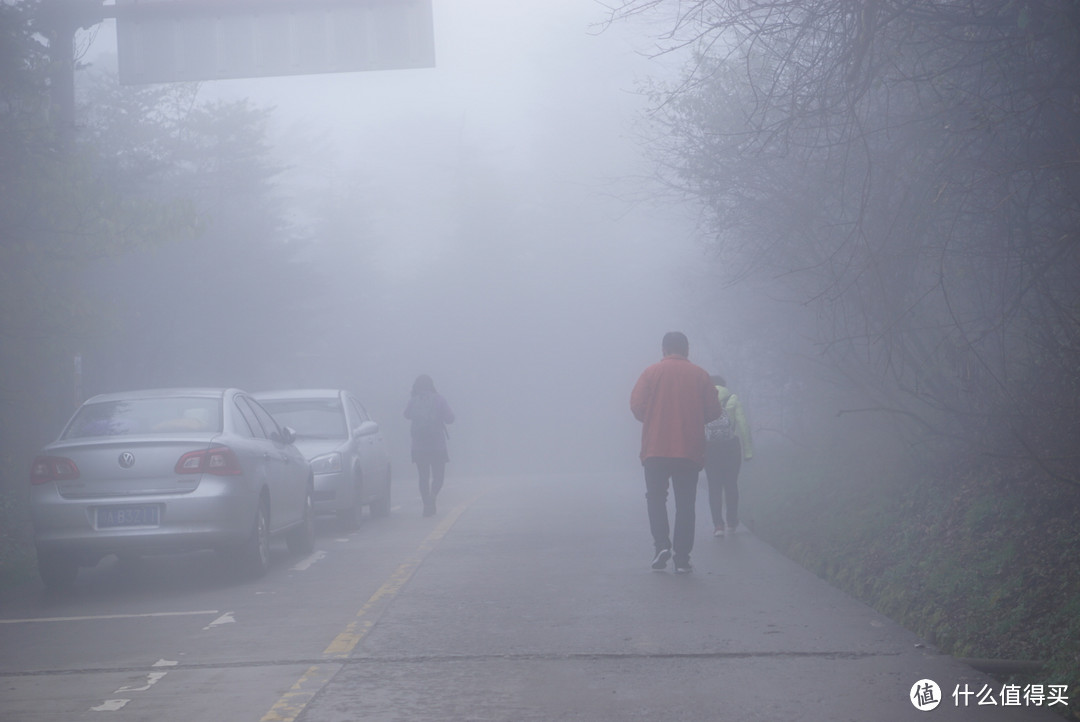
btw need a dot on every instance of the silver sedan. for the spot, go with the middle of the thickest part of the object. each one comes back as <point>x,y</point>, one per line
<point>145,472</point>
<point>344,445</point>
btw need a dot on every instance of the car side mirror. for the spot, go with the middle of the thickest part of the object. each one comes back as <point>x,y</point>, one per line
<point>367,428</point>
<point>288,435</point>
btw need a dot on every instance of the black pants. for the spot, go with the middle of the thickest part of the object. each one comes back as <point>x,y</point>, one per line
<point>722,463</point>
<point>683,474</point>
<point>432,475</point>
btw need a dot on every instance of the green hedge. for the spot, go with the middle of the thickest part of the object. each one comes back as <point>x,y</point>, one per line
<point>981,558</point>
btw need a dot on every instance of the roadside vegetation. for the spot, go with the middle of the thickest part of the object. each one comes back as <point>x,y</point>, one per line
<point>980,558</point>
<point>900,179</point>
<point>121,229</point>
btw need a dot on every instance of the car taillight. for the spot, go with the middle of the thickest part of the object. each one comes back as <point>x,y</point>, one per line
<point>220,461</point>
<point>52,468</point>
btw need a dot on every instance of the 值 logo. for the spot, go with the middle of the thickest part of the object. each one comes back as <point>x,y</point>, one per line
<point>925,695</point>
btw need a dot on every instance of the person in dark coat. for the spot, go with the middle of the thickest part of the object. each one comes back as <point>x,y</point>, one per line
<point>429,414</point>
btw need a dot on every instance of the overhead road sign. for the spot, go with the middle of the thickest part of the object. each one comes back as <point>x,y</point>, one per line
<point>162,41</point>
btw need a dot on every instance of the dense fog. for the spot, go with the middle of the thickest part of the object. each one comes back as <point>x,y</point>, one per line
<point>863,215</point>
<point>526,219</point>
<point>489,222</point>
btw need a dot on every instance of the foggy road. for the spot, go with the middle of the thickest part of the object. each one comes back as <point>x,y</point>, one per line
<point>526,598</point>
<point>864,216</point>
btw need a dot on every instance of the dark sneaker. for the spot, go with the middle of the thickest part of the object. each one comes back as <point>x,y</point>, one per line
<point>659,562</point>
<point>683,568</point>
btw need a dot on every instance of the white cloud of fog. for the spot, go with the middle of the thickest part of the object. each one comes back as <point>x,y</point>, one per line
<point>497,189</point>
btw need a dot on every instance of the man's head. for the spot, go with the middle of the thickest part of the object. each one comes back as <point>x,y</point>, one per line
<point>675,342</point>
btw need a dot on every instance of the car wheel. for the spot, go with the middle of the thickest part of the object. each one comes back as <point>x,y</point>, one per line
<point>253,556</point>
<point>57,571</point>
<point>301,540</point>
<point>381,506</point>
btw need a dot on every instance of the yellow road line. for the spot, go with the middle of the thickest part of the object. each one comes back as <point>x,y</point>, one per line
<point>293,702</point>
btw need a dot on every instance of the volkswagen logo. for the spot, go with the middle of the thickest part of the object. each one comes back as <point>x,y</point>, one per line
<point>127,460</point>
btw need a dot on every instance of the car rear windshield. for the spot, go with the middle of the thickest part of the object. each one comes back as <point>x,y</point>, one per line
<point>172,415</point>
<point>310,418</point>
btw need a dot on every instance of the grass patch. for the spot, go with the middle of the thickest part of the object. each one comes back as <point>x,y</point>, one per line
<point>983,560</point>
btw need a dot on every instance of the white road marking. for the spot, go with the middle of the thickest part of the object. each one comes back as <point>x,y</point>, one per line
<point>151,679</point>
<point>108,616</point>
<point>226,618</point>
<point>303,564</point>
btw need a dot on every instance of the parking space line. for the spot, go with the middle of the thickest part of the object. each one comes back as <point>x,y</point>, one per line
<point>305,563</point>
<point>293,702</point>
<point>152,678</point>
<point>206,612</point>
<point>226,618</point>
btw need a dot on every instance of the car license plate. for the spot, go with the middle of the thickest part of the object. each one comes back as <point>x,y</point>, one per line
<point>110,517</point>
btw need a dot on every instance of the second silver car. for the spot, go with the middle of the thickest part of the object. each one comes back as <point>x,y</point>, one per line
<point>344,446</point>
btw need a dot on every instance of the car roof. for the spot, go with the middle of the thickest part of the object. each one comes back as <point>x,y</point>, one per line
<point>198,392</point>
<point>282,394</point>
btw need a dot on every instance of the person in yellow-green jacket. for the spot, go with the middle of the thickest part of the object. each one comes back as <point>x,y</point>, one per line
<point>727,445</point>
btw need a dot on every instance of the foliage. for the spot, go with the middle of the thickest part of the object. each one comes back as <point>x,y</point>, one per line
<point>982,559</point>
<point>61,208</point>
<point>229,304</point>
<point>150,242</point>
<point>909,171</point>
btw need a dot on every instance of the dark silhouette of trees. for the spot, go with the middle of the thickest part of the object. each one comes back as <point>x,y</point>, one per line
<point>911,171</point>
<point>60,210</point>
<point>149,240</point>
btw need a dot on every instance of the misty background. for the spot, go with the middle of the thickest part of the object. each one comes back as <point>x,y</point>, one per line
<point>863,220</point>
<point>489,222</point>
<point>864,215</point>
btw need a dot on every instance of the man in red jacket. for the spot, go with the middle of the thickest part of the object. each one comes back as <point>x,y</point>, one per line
<point>673,399</point>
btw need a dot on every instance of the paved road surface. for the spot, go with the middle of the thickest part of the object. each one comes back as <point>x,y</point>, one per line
<point>526,598</point>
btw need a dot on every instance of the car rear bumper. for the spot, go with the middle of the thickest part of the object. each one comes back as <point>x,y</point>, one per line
<point>218,514</point>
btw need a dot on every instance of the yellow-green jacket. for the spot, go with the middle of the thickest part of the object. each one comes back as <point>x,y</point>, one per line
<point>734,410</point>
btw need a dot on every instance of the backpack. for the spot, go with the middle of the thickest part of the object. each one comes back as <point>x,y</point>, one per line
<point>720,430</point>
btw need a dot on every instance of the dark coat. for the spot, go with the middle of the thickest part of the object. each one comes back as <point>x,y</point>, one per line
<point>429,414</point>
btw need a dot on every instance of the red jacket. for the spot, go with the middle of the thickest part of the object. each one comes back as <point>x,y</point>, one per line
<point>674,399</point>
